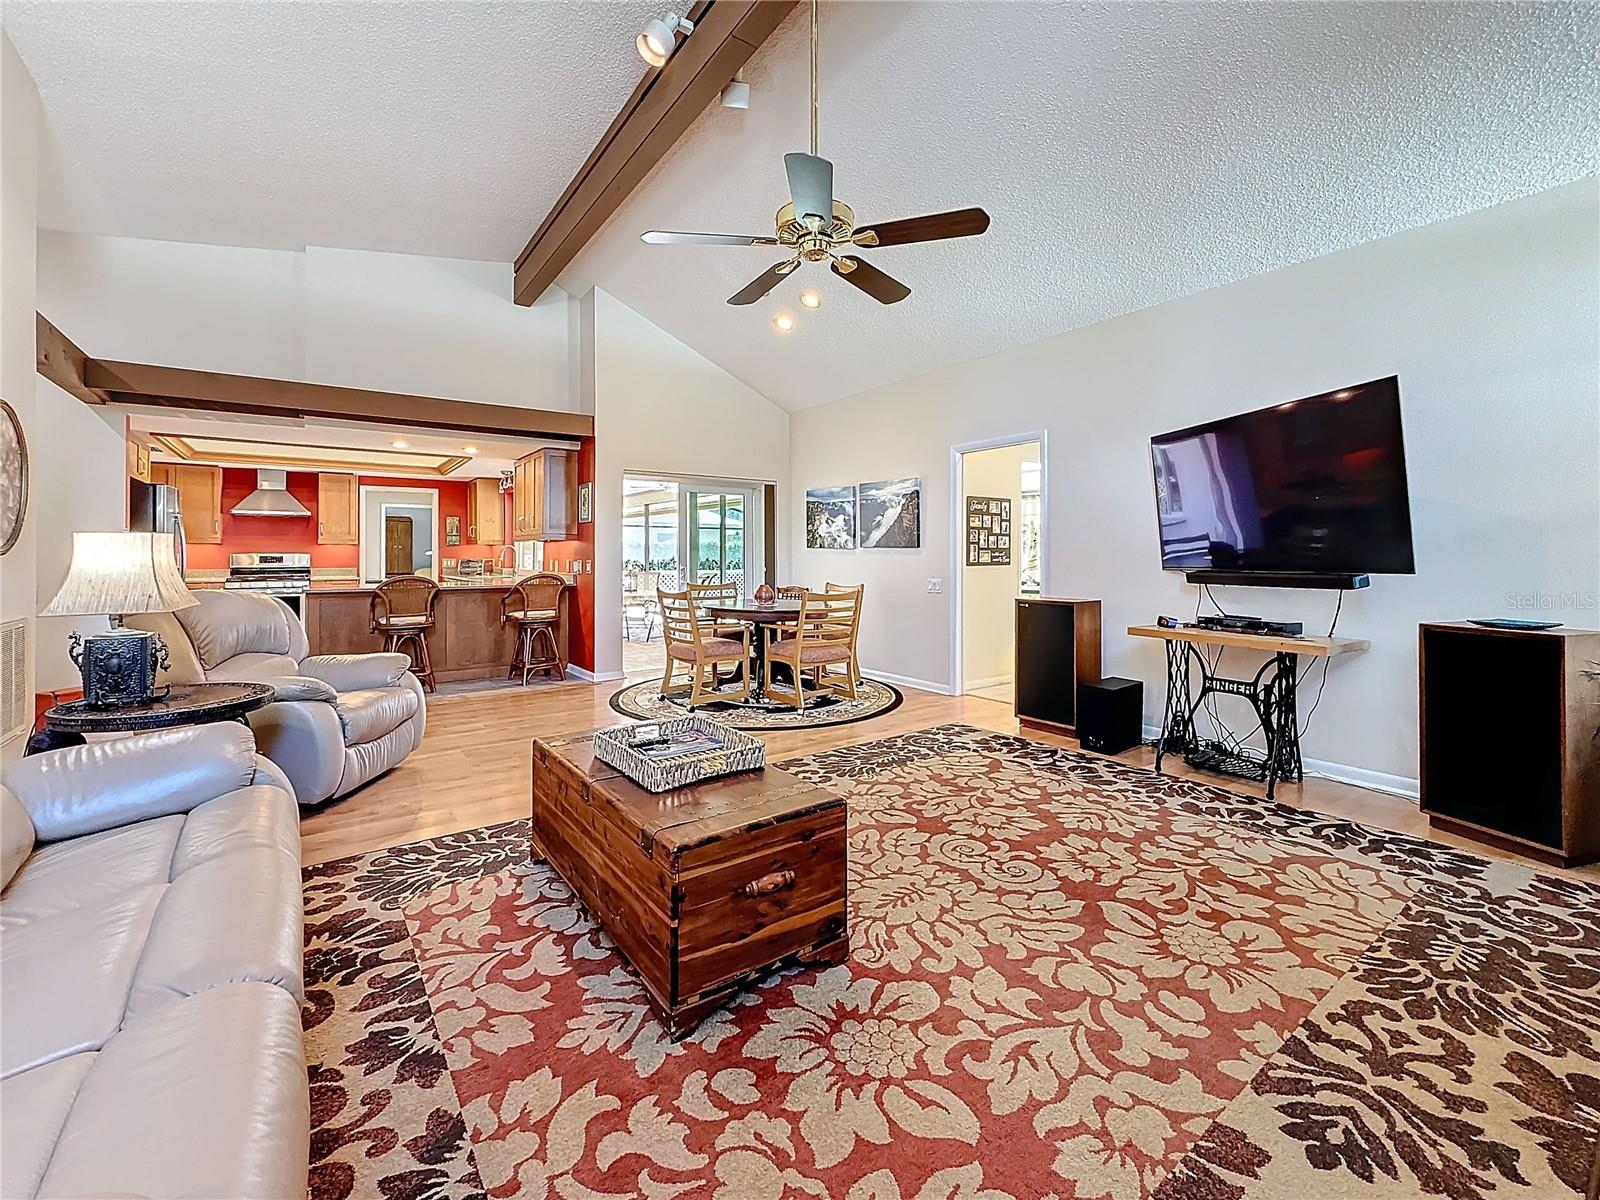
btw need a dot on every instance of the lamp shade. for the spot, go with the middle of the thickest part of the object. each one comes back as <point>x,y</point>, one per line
<point>118,573</point>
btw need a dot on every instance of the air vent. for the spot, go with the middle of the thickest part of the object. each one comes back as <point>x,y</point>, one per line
<point>16,708</point>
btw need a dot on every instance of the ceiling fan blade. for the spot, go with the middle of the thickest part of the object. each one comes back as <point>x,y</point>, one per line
<point>762,283</point>
<point>810,185</point>
<point>963,222</point>
<point>885,289</point>
<point>660,237</point>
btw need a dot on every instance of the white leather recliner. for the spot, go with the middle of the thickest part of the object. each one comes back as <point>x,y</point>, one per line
<point>339,720</point>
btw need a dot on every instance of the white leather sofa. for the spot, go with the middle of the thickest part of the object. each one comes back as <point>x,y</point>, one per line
<point>151,972</point>
<point>339,719</point>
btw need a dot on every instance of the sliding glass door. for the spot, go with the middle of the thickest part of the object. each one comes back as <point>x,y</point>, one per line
<point>713,522</point>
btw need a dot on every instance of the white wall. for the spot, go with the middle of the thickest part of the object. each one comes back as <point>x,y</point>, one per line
<point>19,179</point>
<point>1490,320</point>
<point>988,593</point>
<point>390,322</point>
<point>663,408</point>
<point>81,484</point>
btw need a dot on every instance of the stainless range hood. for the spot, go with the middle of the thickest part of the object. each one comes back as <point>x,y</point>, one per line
<point>270,499</point>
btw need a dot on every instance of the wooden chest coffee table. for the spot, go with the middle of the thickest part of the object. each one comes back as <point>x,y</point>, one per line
<point>703,889</point>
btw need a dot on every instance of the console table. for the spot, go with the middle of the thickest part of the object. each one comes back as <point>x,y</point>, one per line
<point>1272,691</point>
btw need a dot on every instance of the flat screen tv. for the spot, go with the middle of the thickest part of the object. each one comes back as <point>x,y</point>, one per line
<point>1314,486</point>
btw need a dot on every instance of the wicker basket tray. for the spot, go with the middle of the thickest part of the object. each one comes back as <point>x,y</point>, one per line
<point>660,773</point>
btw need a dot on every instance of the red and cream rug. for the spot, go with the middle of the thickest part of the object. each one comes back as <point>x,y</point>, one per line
<point>1069,977</point>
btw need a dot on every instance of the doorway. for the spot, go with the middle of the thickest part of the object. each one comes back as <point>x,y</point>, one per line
<point>399,532</point>
<point>678,530</point>
<point>999,543</point>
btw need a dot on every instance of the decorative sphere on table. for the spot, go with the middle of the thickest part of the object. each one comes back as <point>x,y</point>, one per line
<point>765,594</point>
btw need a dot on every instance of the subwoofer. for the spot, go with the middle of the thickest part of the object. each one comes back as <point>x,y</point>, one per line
<point>1110,714</point>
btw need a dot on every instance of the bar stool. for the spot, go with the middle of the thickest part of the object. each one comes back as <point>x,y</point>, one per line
<point>402,611</point>
<point>533,603</point>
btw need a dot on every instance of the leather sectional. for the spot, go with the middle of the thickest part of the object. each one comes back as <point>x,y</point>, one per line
<point>339,720</point>
<point>151,972</point>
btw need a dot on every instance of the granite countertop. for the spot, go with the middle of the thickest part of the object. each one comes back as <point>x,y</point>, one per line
<point>480,583</point>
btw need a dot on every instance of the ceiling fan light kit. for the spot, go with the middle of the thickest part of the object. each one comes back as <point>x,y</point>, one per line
<point>816,227</point>
<point>657,40</point>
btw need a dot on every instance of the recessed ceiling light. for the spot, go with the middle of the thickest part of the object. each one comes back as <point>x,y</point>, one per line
<point>655,43</point>
<point>469,449</point>
<point>783,322</point>
<point>811,299</point>
<point>399,445</point>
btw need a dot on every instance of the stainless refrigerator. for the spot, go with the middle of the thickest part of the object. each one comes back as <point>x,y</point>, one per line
<point>154,506</point>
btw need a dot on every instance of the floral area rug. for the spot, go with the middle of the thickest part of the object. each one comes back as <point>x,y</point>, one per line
<point>644,702</point>
<point>1069,977</point>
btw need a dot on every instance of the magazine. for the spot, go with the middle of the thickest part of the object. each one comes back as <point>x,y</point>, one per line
<point>676,745</point>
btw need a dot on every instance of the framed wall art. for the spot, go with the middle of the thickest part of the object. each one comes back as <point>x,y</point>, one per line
<point>988,531</point>
<point>831,518</point>
<point>585,503</point>
<point>13,477</point>
<point>890,514</point>
<point>452,530</point>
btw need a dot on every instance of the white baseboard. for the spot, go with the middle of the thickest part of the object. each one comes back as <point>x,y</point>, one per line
<point>592,676</point>
<point>1377,781</point>
<point>905,681</point>
<point>993,681</point>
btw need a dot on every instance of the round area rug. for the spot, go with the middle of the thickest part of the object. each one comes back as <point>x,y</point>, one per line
<point>643,701</point>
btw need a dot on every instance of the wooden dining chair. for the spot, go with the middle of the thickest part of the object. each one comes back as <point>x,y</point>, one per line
<point>534,604</point>
<point>861,592</point>
<point>825,637</point>
<point>693,642</point>
<point>402,611</point>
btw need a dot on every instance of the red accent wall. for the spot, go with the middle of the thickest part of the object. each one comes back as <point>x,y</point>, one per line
<point>298,535</point>
<point>580,638</point>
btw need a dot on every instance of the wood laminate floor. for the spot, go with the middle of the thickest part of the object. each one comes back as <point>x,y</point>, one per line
<point>473,768</point>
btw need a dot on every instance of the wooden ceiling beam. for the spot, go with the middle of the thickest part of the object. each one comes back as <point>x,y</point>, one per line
<point>213,391</point>
<point>660,111</point>
<point>60,361</point>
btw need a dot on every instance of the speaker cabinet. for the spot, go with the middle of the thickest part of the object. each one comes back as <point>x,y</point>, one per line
<point>1508,729</point>
<point>1110,714</point>
<point>1058,648</point>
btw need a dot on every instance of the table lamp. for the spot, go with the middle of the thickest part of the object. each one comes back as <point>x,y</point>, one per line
<point>113,574</point>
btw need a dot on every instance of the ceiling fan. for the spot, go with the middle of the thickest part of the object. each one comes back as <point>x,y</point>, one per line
<point>815,226</point>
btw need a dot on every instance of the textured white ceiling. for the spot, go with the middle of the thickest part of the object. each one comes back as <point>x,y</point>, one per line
<point>438,128</point>
<point>1129,154</point>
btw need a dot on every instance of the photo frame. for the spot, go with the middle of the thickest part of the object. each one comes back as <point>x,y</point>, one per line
<point>452,530</point>
<point>988,531</point>
<point>585,503</point>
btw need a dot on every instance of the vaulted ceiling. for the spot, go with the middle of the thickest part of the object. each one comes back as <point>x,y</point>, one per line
<point>1129,153</point>
<point>445,128</point>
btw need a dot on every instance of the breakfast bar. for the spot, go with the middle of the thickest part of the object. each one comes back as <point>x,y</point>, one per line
<point>467,640</point>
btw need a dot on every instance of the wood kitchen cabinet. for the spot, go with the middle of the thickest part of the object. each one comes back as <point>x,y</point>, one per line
<point>545,497</point>
<point>338,510</point>
<point>486,525</point>
<point>139,460</point>
<point>200,498</point>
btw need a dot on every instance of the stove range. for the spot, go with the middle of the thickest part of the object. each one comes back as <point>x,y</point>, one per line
<point>286,576</point>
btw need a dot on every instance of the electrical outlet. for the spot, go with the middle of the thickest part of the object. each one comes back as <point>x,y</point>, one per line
<point>935,587</point>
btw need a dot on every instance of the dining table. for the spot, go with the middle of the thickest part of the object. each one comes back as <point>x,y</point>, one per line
<point>779,612</point>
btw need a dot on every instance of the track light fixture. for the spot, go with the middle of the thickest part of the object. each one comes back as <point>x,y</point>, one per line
<point>656,42</point>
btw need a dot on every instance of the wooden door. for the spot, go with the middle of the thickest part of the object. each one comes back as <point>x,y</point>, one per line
<point>339,510</point>
<point>200,497</point>
<point>397,537</point>
<point>161,473</point>
<point>521,494</point>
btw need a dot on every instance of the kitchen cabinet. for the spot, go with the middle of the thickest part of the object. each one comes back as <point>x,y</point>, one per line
<point>139,459</point>
<point>486,525</point>
<point>338,510</point>
<point>200,498</point>
<point>545,500</point>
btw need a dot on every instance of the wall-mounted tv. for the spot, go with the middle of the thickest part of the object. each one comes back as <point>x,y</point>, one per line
<point>1314,486</point>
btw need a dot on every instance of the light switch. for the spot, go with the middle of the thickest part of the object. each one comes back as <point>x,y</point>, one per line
<point>935,587</point>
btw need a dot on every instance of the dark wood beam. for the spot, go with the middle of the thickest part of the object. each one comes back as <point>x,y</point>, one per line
<point>660,111</point>
<point>61,362</point>
<point>178,387</point>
